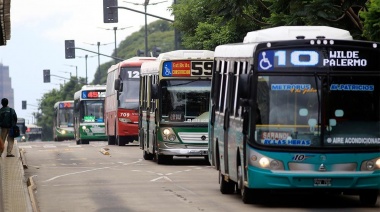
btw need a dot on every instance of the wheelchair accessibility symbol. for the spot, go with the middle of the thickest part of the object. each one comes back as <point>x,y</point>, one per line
<point>266,60</point>
<point>167,72</point>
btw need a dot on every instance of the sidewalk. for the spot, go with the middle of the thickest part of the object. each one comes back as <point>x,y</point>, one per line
<point>14,196</point>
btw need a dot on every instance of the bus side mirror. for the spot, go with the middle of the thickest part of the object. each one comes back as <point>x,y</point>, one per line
<point>154,91</point>
<point>118,85</point>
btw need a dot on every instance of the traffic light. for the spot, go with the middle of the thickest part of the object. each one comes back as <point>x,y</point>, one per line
<point>110,15</point>
<point>139,52</point>
<point>69,49</point>
<point>24,105</point>
<point>46,75</point>
<point>156,51</point>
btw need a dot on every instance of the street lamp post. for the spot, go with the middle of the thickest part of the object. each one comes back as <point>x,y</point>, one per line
<point>76,71</point>
<point>115,29</point>
<point>146,3</point>
<point>86,68</point>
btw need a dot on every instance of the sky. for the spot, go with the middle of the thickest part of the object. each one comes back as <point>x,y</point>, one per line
<point>39,29</point>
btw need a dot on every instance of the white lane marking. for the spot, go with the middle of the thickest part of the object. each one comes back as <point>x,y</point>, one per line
<point>90,170</point>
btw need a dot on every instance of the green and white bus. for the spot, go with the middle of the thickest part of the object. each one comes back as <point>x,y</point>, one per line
<point>174,105</point>
<point>89,114</point>
<point>63,122</point>
<point>297,108</point>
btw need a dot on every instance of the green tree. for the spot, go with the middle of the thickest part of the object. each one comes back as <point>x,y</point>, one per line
<point>160,34</point>
<point>204,24</point>
<point>371,17</point>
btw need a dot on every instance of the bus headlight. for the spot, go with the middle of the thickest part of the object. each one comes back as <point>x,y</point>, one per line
<point>260,161</point>
<point>125,120</point>
<point>168,135</point>
<point>84,127</point>
<point>370,165</point>
<point>63,131</point>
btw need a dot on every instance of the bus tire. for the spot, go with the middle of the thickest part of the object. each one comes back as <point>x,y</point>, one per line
<point>147,155</point>
<point>84,141</point>
<point>226,187</point>
<point>368,197</point>
<point>120,141</point>
<point>111,140</point>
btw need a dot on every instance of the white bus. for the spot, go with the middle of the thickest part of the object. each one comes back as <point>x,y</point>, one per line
<point>297,108</point>
<point>174,105</point>
<point>63,122</point>
<point>89,114</point>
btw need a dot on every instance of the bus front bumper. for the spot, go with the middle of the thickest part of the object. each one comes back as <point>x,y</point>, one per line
<point>182,150</point>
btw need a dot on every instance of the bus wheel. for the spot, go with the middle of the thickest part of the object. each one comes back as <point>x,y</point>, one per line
<point>147,156</point>
<point>111,140</point>
<point>120,141</point>
<point>226,187</point>
<point>246,193</point>
<point>368,198</point>
<point>84,141</point>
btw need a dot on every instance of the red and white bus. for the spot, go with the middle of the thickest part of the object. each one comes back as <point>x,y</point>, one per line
<point>122,101</point>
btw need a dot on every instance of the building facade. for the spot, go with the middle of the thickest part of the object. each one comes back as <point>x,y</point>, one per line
<point>6,90</point>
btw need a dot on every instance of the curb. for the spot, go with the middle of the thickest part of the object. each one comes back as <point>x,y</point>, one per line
<point>31,188</point>
<point>23,160</point>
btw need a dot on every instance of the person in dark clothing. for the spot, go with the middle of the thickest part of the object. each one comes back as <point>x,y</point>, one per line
<point>8,118</point>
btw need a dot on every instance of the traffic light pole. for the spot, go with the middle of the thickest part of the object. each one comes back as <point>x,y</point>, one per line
<point>142,13</point>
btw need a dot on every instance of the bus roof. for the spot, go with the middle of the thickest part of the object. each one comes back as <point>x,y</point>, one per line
<point>57,103</point>
<point>152,67</point>
<point>92,87</point>
<point>186,54</point>
<point>292,32</point>
<point>247,48</point>
<point>133,61</point>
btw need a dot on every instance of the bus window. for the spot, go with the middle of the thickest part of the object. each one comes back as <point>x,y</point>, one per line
<point>185,100</point>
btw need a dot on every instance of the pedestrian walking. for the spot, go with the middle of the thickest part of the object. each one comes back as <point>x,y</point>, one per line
<point>8,118</point>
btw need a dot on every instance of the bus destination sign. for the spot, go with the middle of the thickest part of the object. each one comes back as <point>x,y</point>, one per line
<point>66,105</point>
<point>332,58</point>
<point>187,68</point>
<point>93,94</point>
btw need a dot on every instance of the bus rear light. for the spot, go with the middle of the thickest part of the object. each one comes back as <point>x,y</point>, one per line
<point>125,120</point>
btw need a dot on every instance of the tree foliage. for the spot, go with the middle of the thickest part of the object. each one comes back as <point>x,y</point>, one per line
<point>204,24</point>
<point>160,34</point>
<point>371,17</point>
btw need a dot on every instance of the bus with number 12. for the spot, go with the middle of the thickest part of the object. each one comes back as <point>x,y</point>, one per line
<point>174,105</point>
<point>296,108</point>
<point>122,101</point>
<point>89,114</point>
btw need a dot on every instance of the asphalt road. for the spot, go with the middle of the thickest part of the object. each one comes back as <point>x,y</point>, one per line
<point>72,177</point>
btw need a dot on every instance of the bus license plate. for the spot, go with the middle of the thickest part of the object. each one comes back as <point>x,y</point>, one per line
<point>322,182</point>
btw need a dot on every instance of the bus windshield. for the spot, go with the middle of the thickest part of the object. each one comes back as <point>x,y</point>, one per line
<point>66,117</point>
<point>92,111</point>
<point>129,98</point>
<point>290,112</point>
<point>185,100</point>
